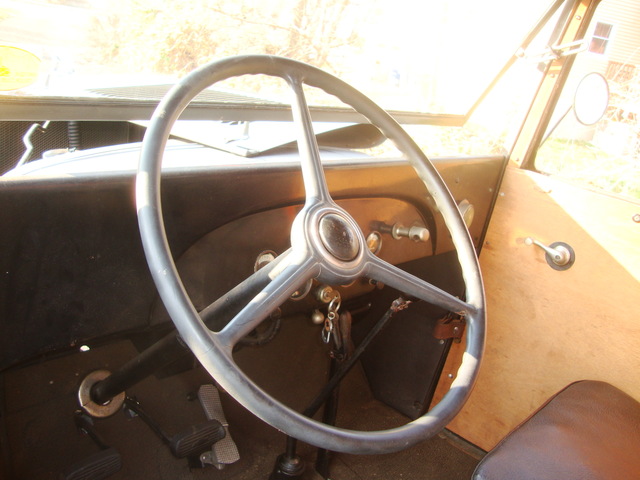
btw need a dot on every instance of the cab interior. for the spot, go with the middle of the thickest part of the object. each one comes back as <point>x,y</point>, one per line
<point>176,307</point>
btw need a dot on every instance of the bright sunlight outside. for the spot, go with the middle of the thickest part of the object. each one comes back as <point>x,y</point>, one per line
<point>417,62</point>
<point>438,59</point>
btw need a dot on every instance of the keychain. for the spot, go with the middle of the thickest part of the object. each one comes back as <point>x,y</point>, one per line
<point>332,315</point>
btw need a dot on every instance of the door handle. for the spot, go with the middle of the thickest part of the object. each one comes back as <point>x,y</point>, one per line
<point>559,255</point>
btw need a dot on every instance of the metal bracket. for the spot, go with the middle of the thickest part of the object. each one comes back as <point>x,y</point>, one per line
<point>555,52</point>
<point>89,405</point>
<point>450,327</point>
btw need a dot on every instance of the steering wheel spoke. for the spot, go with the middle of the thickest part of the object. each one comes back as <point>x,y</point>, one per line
<point>315,183</point>
<point>285,282</point>
<point>410,284</point>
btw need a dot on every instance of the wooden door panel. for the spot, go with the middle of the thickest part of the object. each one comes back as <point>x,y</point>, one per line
<point>548,328</point>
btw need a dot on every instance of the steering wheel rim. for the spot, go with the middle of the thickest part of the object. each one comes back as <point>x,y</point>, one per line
<point>311,256</point>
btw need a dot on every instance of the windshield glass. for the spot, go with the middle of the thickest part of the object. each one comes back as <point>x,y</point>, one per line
<point>406,55</point>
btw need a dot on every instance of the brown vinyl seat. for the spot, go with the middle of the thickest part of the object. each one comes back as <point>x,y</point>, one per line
<point>590,430</point>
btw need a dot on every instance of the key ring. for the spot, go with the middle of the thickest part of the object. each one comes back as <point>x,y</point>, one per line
<point>332,314</point>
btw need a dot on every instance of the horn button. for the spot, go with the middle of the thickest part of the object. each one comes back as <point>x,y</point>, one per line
<point>339,237</point>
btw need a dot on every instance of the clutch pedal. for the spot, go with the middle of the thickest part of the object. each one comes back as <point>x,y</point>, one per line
<point>99,465</point>
<point>95,467</point>
<point>225,451</point>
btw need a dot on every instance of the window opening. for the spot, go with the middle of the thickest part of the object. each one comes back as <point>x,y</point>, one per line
<point>600,38</point>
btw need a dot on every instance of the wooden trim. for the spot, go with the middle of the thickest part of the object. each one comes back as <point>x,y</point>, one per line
<point>548,328</point>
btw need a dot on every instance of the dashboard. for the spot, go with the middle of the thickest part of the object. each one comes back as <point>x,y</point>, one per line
<point>72,265</point>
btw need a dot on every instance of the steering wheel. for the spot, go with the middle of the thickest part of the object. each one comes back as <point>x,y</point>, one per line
<point>326,244</point>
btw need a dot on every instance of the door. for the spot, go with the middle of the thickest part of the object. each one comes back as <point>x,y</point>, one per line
<point>548,327</point>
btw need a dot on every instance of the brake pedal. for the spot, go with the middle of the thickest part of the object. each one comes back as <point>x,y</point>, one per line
<point>196,439</point>
<point>225,451</point>
<point>190,443</point>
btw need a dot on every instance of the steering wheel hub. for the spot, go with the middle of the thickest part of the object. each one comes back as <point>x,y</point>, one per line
<point>339,237</point>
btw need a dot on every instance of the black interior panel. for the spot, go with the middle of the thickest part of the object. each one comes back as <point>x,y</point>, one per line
<point>406,381</point>
<point>72,268</point>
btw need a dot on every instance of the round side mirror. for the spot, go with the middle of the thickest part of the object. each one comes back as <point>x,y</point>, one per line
<point>591,99</point>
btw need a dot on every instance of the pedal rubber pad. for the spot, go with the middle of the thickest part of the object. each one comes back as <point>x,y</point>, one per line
<point>197,439</point>
<point>225,451</point>
<point>96,467</point>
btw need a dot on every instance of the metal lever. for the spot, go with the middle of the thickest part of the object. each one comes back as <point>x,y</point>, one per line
<point>416,233</point>
<point>559,255</point>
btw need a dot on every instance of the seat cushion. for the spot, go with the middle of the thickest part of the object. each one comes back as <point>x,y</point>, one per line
<point>588,431</point>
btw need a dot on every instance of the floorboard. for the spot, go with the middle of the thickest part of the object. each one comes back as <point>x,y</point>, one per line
<point>41,440</point>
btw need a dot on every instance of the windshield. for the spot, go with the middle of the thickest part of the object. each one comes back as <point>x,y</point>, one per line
<point>406,55</point>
